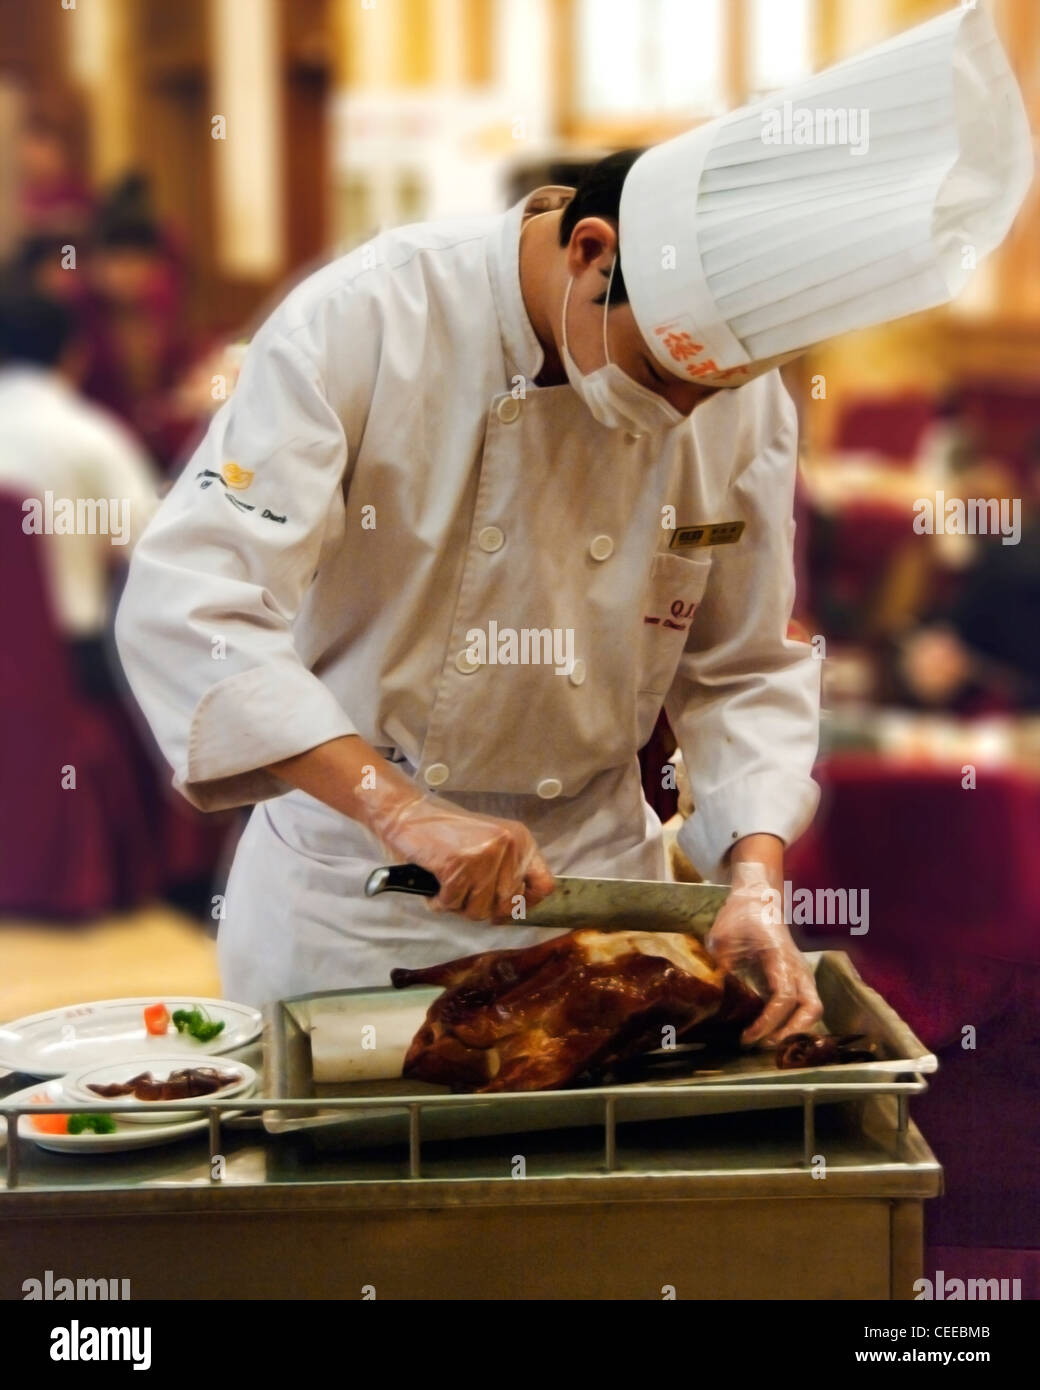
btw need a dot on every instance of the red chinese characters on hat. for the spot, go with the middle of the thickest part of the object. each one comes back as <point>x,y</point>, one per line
<point>682,348</point>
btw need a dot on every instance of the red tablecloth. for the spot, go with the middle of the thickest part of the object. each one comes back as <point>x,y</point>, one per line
<point>945,866</point>
<point>954,946</point>
<point>87,824</point>
<point>889,425</point>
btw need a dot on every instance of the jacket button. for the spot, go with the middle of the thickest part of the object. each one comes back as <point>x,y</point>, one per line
<point>465,663</point>
<point>577,672</point>
<point>549,787</point>
<point>436,775</point>
<point>508,410</point>
<point>601,548</point>
<point>491,539</point>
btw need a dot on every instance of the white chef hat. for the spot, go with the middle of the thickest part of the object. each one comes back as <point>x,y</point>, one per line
<point>748,239</point>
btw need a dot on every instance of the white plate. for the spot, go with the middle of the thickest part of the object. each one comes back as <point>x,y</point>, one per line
<point>136,1136</point>
<point>84,1035</point>
<point>148,1112</point>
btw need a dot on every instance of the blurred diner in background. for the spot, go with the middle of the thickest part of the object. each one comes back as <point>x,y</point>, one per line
<point>167,170</point>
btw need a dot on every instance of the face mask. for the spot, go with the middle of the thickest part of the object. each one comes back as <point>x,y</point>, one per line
<point>614,399</point>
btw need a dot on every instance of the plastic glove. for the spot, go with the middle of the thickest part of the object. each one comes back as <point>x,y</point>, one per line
<point>483,863</point>
<point>749,936</point>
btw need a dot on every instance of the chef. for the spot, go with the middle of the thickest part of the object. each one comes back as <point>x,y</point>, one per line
<point>488,495</point>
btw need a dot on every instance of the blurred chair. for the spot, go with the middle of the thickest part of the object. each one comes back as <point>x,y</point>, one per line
<point>889,425</point>
<point>849,556</point>
<point>1003,422</point>
<point>67,852</point>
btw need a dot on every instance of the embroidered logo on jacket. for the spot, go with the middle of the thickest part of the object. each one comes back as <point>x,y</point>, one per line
<point>206,478</point>
<point>235,476</point>
<point>681,615</point>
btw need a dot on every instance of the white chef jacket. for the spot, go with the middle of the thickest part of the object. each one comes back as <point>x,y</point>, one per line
<point>53,440</point>
<point>387,479</point>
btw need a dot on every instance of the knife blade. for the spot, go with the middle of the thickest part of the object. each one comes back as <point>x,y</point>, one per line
<point>608,904</point>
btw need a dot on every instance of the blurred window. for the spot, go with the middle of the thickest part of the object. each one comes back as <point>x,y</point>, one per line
<point>780,43</point>
<point>654,56</point>
<point>644,58</point>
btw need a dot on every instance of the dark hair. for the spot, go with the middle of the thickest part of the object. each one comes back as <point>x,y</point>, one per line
<point>599,195</point>
<point>33,327</point>
<point>37,252</point>
<point>126,217</point>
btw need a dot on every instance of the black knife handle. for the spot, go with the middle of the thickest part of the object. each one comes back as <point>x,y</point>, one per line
<point>402,878</point>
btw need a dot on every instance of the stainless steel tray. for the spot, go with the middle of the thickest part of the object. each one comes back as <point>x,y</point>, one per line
<point>744,1082</point>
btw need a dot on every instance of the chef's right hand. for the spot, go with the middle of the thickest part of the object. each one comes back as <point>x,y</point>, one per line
<point>483,864</point>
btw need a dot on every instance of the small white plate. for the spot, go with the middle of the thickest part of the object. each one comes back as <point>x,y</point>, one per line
<point>137,1136</point>
<point>149,1112</point>
<point>112,1030</point>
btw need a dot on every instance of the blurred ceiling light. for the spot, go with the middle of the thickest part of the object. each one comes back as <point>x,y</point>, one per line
<point>247,93</point>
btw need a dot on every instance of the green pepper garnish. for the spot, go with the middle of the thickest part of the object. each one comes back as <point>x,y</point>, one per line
<point>195,1023</point>
<point>99,1124</point>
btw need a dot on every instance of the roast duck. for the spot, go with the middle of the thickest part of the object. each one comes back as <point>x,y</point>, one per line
<point>545,1016</point>
<point>576,1006</point>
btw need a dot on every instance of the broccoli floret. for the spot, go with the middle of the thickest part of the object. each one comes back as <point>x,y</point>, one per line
<point>99,1124</point>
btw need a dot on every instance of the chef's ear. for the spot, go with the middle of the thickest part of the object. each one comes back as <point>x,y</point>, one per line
<point>593,242</point>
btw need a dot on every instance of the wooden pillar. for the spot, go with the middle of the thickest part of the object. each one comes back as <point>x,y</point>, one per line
<point>737,48</point>
<point>367,45</point>
<point>825,29</point>
<point>102,60</point>
<point>477,23</point>
<point>10,114</point>
<point>414,45</point>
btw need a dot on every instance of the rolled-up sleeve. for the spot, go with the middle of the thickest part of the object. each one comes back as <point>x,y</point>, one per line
<point>745,702</point>
<point>204,629</point>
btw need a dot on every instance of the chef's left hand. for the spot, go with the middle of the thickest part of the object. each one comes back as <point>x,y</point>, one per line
<point>750,931</point>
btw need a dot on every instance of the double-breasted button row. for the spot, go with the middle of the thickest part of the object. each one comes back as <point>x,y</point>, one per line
<point>438,773</point>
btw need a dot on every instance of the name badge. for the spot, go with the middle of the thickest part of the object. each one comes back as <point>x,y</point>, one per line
<point>719,533</point>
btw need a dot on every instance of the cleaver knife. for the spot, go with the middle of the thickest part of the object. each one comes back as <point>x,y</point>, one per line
<point>607,904</point>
